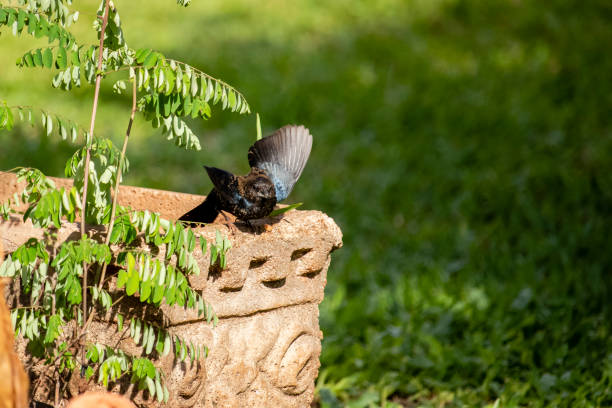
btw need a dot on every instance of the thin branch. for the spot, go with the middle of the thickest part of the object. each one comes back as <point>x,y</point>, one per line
<point>88,153</point>
<point>118,179</point>
<point>39,14</point>
<point>57,389</point>
<point>32,109</point>
<point>202,73</point>
<point>74,48</point>
<point>116,190</point>
<point>195,70</point>
<point>119,299</point>
<point>27,308</point>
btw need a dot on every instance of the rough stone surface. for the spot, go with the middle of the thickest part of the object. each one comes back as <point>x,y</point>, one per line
<point>265,350</point>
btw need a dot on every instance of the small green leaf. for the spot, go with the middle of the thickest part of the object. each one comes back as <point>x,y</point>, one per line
<point>167,345</point>
<point>213,254</point>
<point>150,60</point>
<point>183,351</point>
<point>49,124</point>
<point>62,59</point>
<point>92,353</point>
<point>28,60</point>
<point>158,293</point>
<point>159,344</point>
<point>53,33</point>
<point>122,279</point>
<point>232,100</point>
<point>141,54</point>
<point>116,233</point>
<point>132,283</point>
<point>258,127</point>
<point>37,57</point>
<point>131,262</point>
<point>75,58</point>
<point>158,388</point>
<point>21,19</point>
<point>150,341</point>
<point>203,244</point>
<point>47,58</point>
<point>137,329</point>
<point>145,290</point>
<point>89,372</point>
<point>209,314</point>
<point>279,211</point>
<point>209,90</point>
<point>218,92</point>
<point>53,329</point>
<point>150,386</point>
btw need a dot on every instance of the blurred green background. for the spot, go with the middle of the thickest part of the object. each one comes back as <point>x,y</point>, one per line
<point>463,146</point>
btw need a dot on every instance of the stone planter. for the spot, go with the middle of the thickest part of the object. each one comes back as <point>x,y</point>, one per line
<point>265,350</point>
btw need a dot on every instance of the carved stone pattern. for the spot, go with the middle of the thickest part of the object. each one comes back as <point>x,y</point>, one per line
<point>265,350</point>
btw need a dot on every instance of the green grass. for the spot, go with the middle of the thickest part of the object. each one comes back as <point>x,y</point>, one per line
<point>465,149</point>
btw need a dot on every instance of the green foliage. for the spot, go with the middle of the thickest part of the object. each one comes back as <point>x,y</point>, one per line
<point>46,204</point>
<point>53,273</point>
<point>6,117</point>
<point>172,89</point>
<point>218,251</point>
<point>180,242</point>
<point>55,10</point>
<point>146,375</point>
<point>102,176</point>
<point>113,36</point>
<point>41,20</point>
<point>65,128</point>
<point>154,280</point>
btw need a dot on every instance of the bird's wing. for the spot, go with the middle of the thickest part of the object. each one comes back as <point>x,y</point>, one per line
<point>283,156</point>
<point>225,183</point>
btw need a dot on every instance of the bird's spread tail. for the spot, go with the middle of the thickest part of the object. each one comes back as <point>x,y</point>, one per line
<point>283,156</point>
<point>205,212</point>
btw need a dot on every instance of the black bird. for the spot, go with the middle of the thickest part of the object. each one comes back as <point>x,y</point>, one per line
<point>276,164</point>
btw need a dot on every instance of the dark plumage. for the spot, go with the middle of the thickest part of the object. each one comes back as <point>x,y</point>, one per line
<point>276,161</point>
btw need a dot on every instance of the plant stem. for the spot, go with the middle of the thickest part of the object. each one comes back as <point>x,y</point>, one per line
<point>116,189</point>
<point>118,179</point>
<point>57,389</point>
<point>88,153</point>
